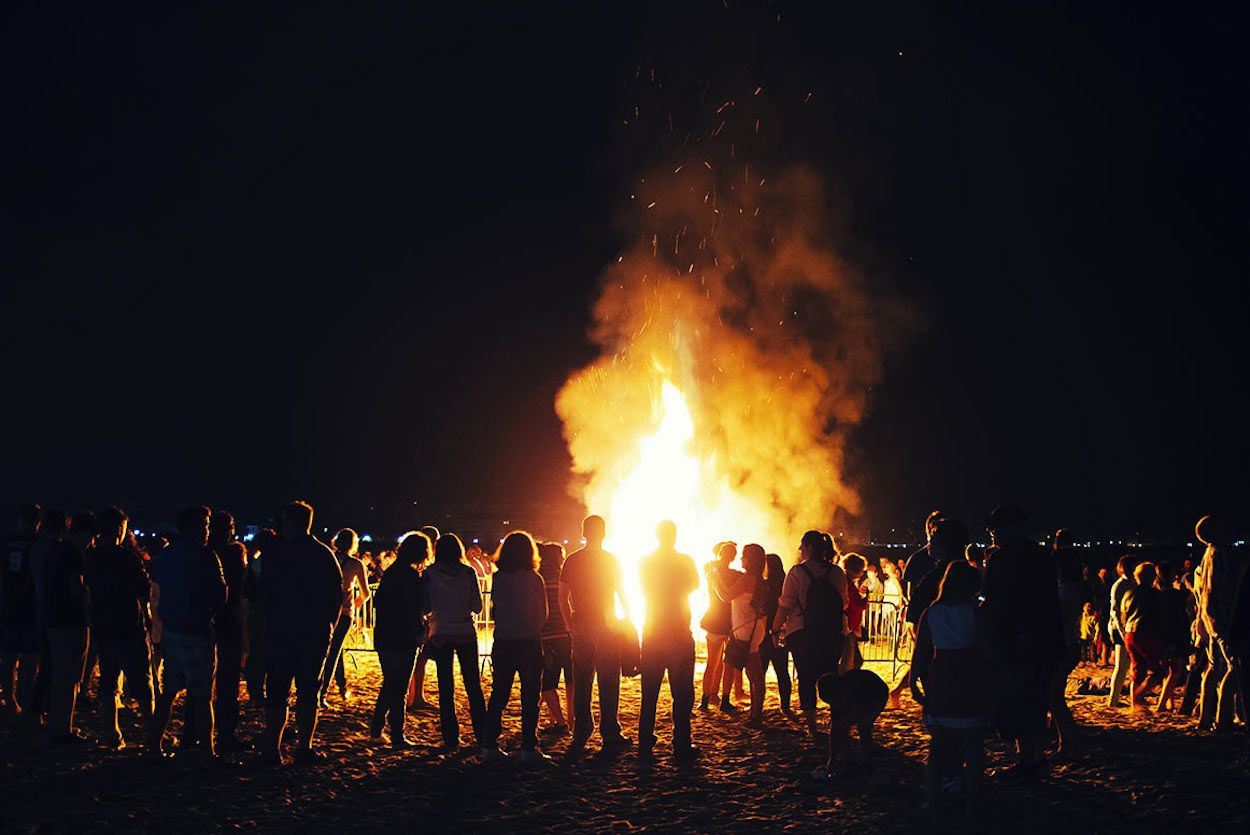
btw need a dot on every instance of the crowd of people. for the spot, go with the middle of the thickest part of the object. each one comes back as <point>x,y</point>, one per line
<point>996,634</point>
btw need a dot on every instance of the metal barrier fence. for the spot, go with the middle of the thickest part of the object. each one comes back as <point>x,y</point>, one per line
<point>882,635</point>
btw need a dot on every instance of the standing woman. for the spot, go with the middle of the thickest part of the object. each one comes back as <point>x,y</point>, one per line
<point>770,651</point>
<point>454,599</point>
<point>557,643</point>
<point>717,621</point>
<point>811,619</point>
<point>746,595</point>
<point>398,632</point>
<point>520,607</point>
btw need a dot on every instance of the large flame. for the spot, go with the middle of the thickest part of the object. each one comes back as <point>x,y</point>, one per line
<point>669,481</point>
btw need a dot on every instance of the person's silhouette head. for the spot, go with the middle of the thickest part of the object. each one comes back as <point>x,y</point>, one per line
<point>930,522</point>
<point>517,552</point>
<point>666,533</point>
<point>1064,538</point>
<point>817,546</point>
<point>950,540</point>
<point>346,541</point>
<point>1006,524</point>
<point>220,527</point>
<point>853,564</point>
<point>431,533</point>
<point>55,523</point>
<point>1145,574</point>
<point>1124,566</point>
<point>594,530</point>
<point>82,532</point>
<point>193,523</point>
<point>775,567</point>
<point>297,518</point>
<point>550,560</point>
<point>28,519</point>
<point>449,550</point>
<point>111,523</point>
<point>414,550</point>
<point>754,558</point>
<point>725,552</point>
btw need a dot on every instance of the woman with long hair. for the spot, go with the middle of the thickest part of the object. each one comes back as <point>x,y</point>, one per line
<point>811,617</point>
<point>770,652</point>
<point>746,594</point>
<point>454,599</point>
<point>400,606</point>
<point>951,679</point>
<point>520,608</point>
<point>557,643</point>
<point>717,622</point>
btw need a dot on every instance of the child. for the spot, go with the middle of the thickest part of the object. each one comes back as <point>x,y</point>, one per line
<point>950,678</point>
<point>1089,632</point>
<point>855,698</point>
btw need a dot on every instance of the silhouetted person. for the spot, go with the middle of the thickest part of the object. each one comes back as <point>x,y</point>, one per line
<point>952,679</point>
<point>520,608</point>
<point>254,604</point>
<point>1144,616</point>
<point>416,690</point>
<point>668,578</point>
<point>742,653</point>
<point>190,589</point>
<point>947,543</point>
<point>1115,630</point>
<point>120,591</point>
<point>68,632</point>
<point>228,629</point>
<point>1073,592</point>
<point>43,554</point>
<point>454,600</point>
<point>855,699</point>
<point>771,652</point>
<point>717,623</point>
<point>19,633</point>
<point>355,590</point>
<point>399,630</point>
<point>1022,607</point>
<point>811,618</point>
<point>557,644</point>
<point>303,591</point>
<point>1215,588</point>
<point>590,586</point>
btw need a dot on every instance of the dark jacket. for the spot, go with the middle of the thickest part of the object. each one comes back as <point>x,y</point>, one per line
<point>303,588</point>
<point>191,586</point>
<point>120,590</point>
<point>400,605</point>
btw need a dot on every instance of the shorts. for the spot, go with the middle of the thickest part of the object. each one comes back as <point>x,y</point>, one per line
<point>557,656</point>
<point>190,664</point>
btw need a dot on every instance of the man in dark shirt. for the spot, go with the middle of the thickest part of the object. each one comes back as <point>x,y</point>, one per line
<point>19,638</point>
<point>68,635</point>
<point>120,590</point>
<point>303,589</point>
<point>590,583</point>
<point>191,588</point>
<point>668,580</point>
<point>228,628</point>
<point>1026,632</point>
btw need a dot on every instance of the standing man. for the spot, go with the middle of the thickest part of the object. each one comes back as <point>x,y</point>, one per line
<point>1115,630</point>
<point>120,591</point>
<point>1022,605</point>
<point>68,632</point>
<point>355,590</point>
<point>590,585</point>
<point>1215,588</point>
<point>19,637</point>
<point>416,688</point>
<point>668,580</point>
<point>228,629</point>
<point>52,533</point>
<point>190,589</point>
<point>303,590</point>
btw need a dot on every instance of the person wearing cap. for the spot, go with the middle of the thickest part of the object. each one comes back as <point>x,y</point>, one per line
<point>1026,632</point>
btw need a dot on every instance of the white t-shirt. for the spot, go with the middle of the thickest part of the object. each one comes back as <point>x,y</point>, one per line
<point>748,622</point>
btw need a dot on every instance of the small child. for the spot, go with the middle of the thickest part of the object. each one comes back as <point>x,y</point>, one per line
<point>855,698</point>
<point>950,677</point>
<point>1089,632</point>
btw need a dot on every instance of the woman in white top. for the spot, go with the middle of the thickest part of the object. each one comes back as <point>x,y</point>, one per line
<point>454,599</point>
<point>746,602</point>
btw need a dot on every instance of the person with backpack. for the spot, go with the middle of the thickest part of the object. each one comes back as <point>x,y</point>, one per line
<point>398,632</point>
<point>811,618</point>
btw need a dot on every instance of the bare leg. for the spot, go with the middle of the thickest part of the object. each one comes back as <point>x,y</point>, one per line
<point>712,672</point>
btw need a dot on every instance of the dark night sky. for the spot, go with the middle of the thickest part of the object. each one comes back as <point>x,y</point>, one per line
<point>347,251</point>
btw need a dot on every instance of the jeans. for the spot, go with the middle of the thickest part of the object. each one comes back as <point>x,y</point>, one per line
<point>334,661</point>
<point>814,655</point>
<point>464,651</point>
<point>779,658</point>
<point>226,700</point>
<point>132,658</point>
<point>674,655</point>
<point>69,658</point>
<point>509,658</point>
<point>299,659</point>
<point>397,669</point>
<point>1219,685</point>
<point>595,654</point>
<point>190,664</point>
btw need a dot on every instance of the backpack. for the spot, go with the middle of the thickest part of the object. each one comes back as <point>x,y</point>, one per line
<point>822,605</point>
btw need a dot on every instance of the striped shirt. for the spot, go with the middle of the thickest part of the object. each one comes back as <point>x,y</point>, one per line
<point>555,626</point>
